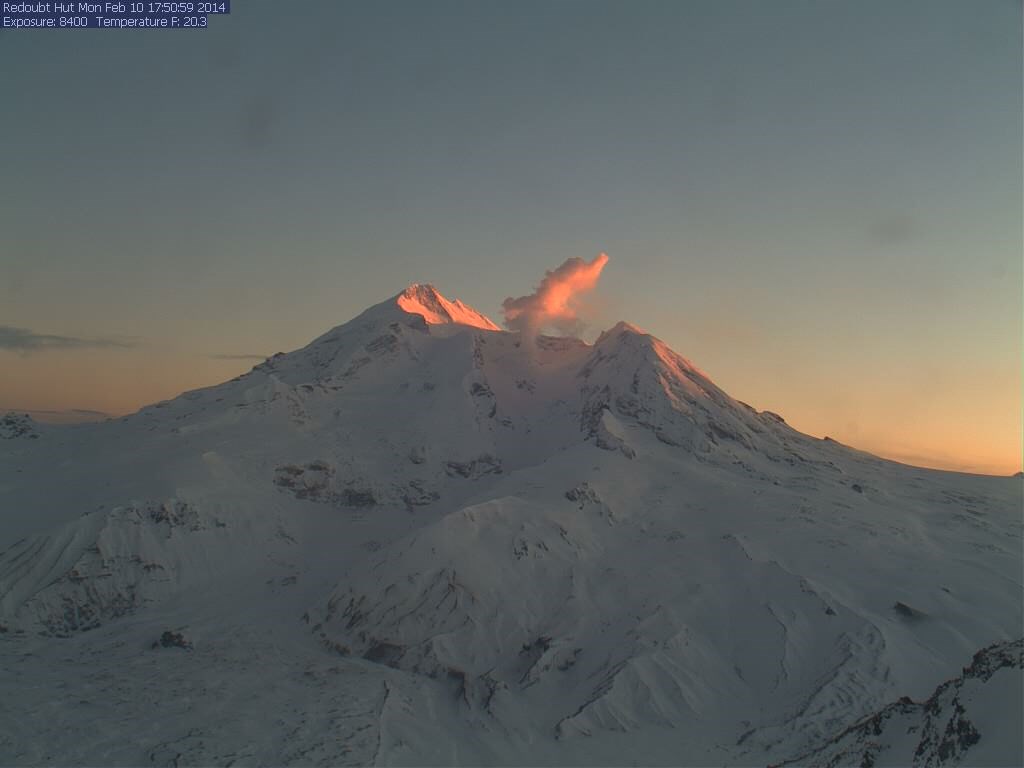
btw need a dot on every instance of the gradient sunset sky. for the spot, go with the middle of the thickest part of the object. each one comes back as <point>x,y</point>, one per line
<point>819,203</point>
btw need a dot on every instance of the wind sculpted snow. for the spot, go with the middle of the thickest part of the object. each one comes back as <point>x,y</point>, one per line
<point>419,541</point>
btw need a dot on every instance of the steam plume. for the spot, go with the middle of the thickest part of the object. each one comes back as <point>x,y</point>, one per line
<point>555,303</point>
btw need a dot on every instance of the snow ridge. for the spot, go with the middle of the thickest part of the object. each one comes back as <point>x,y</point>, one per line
<point>939,730</point>
<point>435,309</point>
<point>565,553</point>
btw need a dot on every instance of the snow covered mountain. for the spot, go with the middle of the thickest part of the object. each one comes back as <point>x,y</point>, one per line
<point>424,540</point>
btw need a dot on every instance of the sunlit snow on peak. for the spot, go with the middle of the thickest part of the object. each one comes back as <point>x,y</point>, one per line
<point>425,300</point>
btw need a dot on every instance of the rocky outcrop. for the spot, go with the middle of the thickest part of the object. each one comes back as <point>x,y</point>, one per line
<point>942,729</point>
<point>15,425</point>
<point>317,481</point>
<point>485,464</point>
<point>105,566</point>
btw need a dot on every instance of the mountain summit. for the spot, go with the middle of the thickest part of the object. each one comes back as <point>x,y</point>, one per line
<point>420,540</point>
<point>435,309</point>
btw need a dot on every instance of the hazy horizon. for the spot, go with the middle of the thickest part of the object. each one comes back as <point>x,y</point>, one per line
<point>818,204</point>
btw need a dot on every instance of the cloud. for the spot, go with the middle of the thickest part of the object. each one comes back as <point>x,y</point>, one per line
<point>26,341</point>
<point>238,357</point>
<point>555,303</point>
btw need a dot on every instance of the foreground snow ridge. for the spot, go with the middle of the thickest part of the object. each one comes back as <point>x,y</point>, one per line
<point>422,540</point>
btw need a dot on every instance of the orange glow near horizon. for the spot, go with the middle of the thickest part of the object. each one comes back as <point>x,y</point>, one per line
<point>109,381</point>
<point>956,444</point>
<point>884,400</point>
<point>972,423</point>
<point>889,420</point>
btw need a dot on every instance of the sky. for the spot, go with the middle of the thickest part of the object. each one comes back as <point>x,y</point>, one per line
<point>819,203</point>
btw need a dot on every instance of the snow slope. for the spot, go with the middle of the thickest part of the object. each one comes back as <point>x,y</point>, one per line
<point>944,728</point>
<point>423,540</point>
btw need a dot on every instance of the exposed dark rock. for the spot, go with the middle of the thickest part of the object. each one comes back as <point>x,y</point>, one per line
<point>382,344</point>
<point>907,612</point>
<point>478,467</point>
<point>418,496</point>
<point>568,661</point>
<point>14,425</point>
<point>945,731</point>
<point>176,514</point>
<point>588,498</point>
<point>316,481</point>
<point>352,497</point>
<point>354,367</point>
<point>171,639</point>
<point>387,654</point>
<point>582,494</point>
